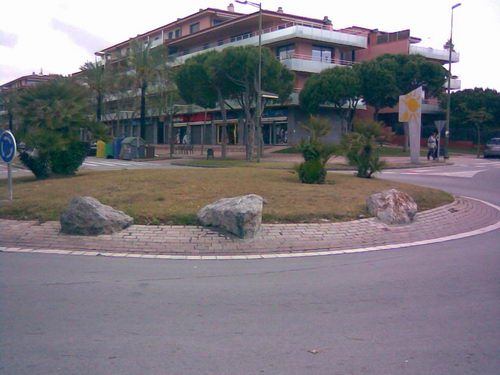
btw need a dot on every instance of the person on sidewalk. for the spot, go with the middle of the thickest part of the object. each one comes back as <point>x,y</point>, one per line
<point>432,146</point>
<point>436,149</point>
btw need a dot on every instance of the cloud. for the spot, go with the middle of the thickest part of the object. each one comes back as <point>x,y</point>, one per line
<point>7,39</point>
<point>82,38</point>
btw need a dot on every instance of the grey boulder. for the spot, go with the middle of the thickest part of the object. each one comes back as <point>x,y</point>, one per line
<point>392,207</point>
<point>241,216</point>
<point>88,216</point>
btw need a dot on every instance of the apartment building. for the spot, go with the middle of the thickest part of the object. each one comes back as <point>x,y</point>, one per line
<point>305,45</point>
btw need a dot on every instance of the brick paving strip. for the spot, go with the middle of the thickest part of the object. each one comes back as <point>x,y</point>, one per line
<point>463,217</point>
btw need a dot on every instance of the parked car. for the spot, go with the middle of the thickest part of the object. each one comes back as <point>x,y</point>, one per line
<point>492,148</point>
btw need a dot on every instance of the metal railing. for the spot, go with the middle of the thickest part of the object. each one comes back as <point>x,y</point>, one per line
<point>248,36</point>
<point>333,60</point>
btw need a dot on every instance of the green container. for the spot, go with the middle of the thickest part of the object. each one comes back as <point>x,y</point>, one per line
<point>108,152</point>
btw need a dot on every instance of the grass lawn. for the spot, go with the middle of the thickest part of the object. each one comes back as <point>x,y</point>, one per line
<point>219,163</point>
<point>173,196</point>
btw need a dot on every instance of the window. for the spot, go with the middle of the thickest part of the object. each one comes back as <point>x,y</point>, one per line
<point>194,27</point>
<point>170,35</point>
<point>178,33</point>
<point>220,42</point>
<point>320,53</point>
<point>217,22</point>
<point>285,52</point>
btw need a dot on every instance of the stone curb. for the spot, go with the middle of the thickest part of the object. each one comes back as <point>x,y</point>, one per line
<point>300,251</point>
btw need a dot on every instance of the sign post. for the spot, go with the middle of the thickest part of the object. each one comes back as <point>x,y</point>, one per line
<point>410,111</point>
<point>439,126</point>
<point>8,153</point>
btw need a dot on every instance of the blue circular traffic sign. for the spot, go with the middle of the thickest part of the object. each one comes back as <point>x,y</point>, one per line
<point>7,146</point>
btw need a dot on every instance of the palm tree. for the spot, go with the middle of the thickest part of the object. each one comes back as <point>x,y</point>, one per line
<point>144,62</point>
<point>95,77</point>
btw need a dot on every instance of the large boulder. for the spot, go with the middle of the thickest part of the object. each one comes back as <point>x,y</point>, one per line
<point>392,207</point>
<point>88,216</point>
<point>241,216</point>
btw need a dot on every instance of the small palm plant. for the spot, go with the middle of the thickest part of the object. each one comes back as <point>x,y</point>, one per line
<point>316,153</point>
<point>360,148</point>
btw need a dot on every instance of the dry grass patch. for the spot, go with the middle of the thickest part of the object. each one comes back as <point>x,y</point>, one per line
<point>173,196</point>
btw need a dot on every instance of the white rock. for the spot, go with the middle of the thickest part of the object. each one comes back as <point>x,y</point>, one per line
<point>392,207</point>
<point>88,216</point>
<point>241,216</point>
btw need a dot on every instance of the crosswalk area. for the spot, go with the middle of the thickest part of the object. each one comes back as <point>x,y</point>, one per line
<point>93,163</point>
<point>16,172</point>
<point>460,170</point>
<point>97,163</point>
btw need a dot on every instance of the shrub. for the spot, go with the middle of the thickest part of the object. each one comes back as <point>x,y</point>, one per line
<point>315,153</point>
<point>67,162</point>
<point>39,165</point>
<point>359,148</point>
<point>311,172</point>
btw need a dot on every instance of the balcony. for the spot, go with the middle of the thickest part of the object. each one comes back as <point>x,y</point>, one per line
<point>306,63</point>
<point>441,55</point>
<point>277,34</point>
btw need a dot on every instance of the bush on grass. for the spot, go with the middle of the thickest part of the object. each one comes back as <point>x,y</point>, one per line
<point>315,153</point>
<point>39,165</point>
<point>67,162</point>
<point>360,147</point>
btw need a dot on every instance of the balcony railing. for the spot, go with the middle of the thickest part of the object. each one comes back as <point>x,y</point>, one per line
<point>433,53</point>
<point>333,61</point>
<point>242,37</point>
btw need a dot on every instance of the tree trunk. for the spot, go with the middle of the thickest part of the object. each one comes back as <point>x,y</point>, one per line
<point>203,132</point>
<point>170,135</point>
<point>478,128</point>
<point>223,111</point>
<point>98,114</point>
<point>143,110</point>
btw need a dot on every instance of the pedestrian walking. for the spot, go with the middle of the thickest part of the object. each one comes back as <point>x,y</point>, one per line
<point>432,146</point>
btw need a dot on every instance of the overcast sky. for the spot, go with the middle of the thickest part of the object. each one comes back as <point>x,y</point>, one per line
<point>58,36</point>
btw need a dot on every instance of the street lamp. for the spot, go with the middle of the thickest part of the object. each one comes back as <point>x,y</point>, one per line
<point>258,105</point>
<point>448,99</point>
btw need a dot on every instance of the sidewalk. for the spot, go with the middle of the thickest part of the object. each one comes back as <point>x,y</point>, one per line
<point>462,218</point>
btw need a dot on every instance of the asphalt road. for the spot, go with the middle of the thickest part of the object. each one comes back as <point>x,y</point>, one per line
<point>423,310</point>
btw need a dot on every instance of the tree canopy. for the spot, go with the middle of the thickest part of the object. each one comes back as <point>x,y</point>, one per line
<point>232,75</point>
<point>379,86</point>
<point>472,108</point>
<point>240,66</point>
<point>413,71</point>
<point>145,63</point>
<point>53,114</point>
<point>339,87</point>
<point>97,80</point>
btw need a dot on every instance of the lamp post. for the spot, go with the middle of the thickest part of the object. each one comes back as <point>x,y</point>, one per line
<point>258,104</point>
<point>448,98</point>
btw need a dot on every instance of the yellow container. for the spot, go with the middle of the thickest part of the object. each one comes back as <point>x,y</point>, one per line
<point>101,149</point>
